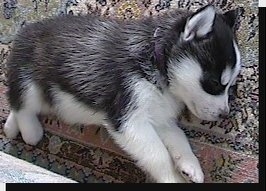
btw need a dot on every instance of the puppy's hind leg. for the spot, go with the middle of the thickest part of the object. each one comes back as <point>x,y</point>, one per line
<point>28,123</point>
<point>29,126</point>
<point>11,129</point>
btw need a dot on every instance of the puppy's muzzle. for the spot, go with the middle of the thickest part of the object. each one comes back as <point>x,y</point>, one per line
<point>224,113</point>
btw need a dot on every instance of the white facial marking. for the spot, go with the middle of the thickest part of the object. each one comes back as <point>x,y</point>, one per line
<point>229,75</point>
<point>189,72</point>
<point>185,85</point>
<point>238,63</point>
<point>226,75</point>
<point>236,70</point>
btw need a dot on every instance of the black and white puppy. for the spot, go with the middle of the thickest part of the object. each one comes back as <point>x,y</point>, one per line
<point>134,77</point>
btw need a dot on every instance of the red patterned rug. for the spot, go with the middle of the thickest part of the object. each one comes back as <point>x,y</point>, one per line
<point>227,150</point>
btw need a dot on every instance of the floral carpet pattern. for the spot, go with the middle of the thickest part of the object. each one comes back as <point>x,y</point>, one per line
<point>228,150</point>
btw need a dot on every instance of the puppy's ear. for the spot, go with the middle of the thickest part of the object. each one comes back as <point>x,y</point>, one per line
<point>231,17</point>
<point>200,23</point>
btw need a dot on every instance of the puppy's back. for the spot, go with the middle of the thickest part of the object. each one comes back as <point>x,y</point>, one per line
<point>78,54</point>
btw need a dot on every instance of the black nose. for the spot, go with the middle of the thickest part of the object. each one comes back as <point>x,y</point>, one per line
<point>224,115</point>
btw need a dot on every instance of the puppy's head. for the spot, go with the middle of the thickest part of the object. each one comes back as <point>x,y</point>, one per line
<point>204,63</point>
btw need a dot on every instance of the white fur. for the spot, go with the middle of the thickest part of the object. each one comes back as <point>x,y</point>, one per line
<point>138,136</point>
<point>72,111</point>
<point>185,84</point>
<point>11,127</point>
<point>148,133</point>
<point>28,123</point>
<point>25,120</point>
<point>237,66</point>
<point>200,24</point>
<point>226,75</point>
<point>29,126</point>
<point>229,75</point>
<point>184,159</point>
<point>67,107</point>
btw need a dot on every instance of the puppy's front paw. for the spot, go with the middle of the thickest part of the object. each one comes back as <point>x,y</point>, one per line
<point>190,168</point>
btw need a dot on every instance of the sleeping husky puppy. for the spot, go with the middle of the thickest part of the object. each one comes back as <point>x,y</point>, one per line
<point>134,77</point>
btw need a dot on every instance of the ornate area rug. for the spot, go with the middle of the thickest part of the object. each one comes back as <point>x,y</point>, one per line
<point>227,150</point>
